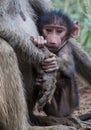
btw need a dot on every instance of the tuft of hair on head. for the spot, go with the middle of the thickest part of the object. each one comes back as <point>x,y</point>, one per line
<point>55,16</point>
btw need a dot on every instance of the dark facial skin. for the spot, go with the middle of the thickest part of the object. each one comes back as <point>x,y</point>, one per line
<point>55,36</point>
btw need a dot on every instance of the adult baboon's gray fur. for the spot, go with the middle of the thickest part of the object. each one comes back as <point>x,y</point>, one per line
<point>12,114</point>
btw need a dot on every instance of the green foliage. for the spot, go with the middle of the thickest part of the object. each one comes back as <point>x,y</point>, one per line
<point>79,10</point>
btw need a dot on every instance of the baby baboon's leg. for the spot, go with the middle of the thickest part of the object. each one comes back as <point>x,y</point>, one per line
<point>12,101</point>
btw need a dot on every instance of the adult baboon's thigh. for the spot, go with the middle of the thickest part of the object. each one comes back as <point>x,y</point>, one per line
<point>12,102</point>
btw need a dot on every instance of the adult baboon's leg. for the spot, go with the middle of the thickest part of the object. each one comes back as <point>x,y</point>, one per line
<point>57,127</point>
<point>13,111</point>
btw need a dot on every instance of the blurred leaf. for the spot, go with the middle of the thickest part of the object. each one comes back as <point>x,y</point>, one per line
<point>87,37</point>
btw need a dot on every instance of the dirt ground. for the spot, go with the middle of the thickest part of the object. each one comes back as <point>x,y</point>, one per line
<point>85,98</point>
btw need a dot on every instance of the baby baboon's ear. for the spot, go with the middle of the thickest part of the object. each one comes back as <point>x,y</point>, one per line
<point>75,29</point>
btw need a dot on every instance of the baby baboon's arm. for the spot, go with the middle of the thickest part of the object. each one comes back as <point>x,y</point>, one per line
<point>66,61</point>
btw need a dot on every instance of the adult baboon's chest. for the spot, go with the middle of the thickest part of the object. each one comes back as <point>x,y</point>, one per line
<point>22,16</point>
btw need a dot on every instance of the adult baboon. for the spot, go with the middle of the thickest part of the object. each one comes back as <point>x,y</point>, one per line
<point>16,25</point>
<point>15,19</point>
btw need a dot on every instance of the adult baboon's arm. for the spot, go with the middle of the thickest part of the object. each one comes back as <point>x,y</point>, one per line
<point>18,39</point>
<point>41,5</point>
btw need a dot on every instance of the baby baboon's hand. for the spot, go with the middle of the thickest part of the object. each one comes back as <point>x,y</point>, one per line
<point>39,80</point>
<point>38,41</point>
<point>50,64</point>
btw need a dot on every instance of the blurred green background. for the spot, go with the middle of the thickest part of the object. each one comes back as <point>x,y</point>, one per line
<point>79,10</point>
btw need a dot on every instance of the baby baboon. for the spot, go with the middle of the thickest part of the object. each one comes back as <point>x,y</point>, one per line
<point>48,23</point>
<point>56,27</point>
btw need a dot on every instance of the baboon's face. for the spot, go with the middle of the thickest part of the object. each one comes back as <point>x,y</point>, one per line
<point>55,35</point>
